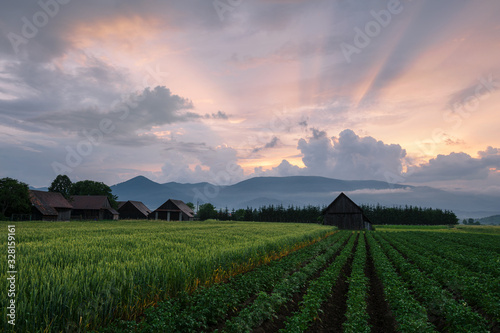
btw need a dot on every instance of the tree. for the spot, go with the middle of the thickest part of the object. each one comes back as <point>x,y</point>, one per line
<point>90,187</point>
<point>14,197</point>
<point>207,211</point>
<point>63,185</point>
<point>190,205</point>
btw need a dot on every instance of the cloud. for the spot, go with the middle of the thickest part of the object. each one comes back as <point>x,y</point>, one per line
<point>350,156</point>
<point>217,165</point>
<point>373,191</point>
<point>284,169</point>
<point>39,88</point>
<point>142,111</point>
<point>457,166</point>
<point>271,144</point>
<point>218,115</point>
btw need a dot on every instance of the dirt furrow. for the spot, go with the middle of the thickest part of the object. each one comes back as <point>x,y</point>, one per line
<point>333,310</point>
<point>277,323</point>
<point>381,318</point>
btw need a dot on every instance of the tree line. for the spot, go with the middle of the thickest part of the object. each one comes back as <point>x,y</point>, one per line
<point>377,214</point>
<point>270,213</point>
<point>408,215</point>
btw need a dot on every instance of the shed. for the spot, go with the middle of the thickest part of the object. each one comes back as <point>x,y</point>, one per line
<point>134,210</point>
<point>49,206</point>
<point>93,207</point>
<point>173,210</point>
<point>345,214</point>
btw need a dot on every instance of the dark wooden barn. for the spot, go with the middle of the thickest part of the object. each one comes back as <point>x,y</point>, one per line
<point>49,206</point>
<point>134,210</point>
<point>93,207</point>
<point>173,210</point>
<point>345,214</point>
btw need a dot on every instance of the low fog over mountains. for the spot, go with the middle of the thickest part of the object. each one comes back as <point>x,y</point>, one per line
<point>306,190</point>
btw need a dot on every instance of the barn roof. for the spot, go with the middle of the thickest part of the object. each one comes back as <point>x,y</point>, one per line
<point>92,202</point>
<point>140,207</point>
<point>338,206</point>
<point>179,204</point>
<point>185,208</point>
<point>47,202</point>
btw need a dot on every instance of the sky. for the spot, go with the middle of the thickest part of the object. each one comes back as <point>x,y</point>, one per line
<point>222,91</point>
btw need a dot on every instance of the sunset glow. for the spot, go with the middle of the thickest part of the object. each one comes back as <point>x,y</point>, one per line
<point>268,86</point>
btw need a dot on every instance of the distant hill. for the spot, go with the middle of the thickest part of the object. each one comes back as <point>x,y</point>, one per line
<point>495,219</point>
<point>44,189</point>
<point>305,190</point>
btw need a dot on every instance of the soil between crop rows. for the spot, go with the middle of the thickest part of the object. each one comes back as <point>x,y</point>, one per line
<point>381,318</point>
<point>295,300</point>
<point>287,310</point>
<point>333,310</point>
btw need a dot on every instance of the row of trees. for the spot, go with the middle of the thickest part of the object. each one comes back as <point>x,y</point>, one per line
<point>408,215</point>
<point>63,185</point>
<point>14,195</point>
<point>271,213</point>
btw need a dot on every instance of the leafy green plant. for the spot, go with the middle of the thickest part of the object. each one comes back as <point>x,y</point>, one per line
<point>410,315</point>
<point>318,292</point>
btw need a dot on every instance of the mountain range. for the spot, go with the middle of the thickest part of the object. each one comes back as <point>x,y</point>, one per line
<point>306,190</point>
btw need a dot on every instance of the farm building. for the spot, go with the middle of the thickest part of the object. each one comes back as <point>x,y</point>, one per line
<point>345,214</point>
<point>93,207</point>
<point>173,210</point>
<point>49,206</point>
<point>134,210</point>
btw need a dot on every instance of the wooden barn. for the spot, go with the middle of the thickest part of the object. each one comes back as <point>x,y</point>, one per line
<point>345,214</point>
<point>49,206</point>
<point>133,210</point>
<point>93,207</point>
<point>173,210</point>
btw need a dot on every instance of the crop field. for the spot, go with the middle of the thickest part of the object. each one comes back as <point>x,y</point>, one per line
<point>74,276</point>
<point>255,277</point>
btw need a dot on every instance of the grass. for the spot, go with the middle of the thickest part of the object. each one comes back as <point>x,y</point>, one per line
<point>80,275</point>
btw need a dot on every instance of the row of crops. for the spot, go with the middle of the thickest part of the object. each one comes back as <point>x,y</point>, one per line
<point>429,285</point>
<point>253,277</point>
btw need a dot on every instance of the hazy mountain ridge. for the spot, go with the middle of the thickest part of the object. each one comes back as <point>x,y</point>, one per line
<point>495,219</point>
<point>305,190</point>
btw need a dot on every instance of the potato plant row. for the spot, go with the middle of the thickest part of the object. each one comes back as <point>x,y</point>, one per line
<point>410,315</point>
<point>458,315</point>
<point>317,293</point>
<point>472,287</point>
<point>487,242</point>
<point>357,315</point>
<point>266,305</point>
<point>475,259</point>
